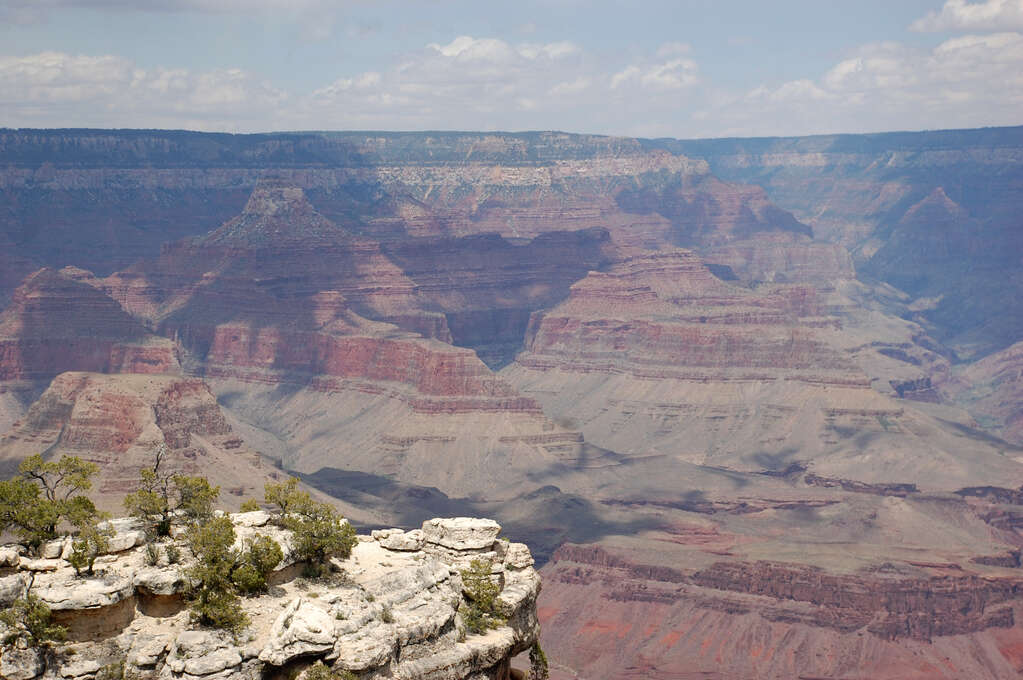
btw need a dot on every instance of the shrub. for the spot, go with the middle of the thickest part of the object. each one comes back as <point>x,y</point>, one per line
<point>91,542</point>
<point>173,553</point>
<point>320,532</point>
<point>152,554</point>
<point>285,495</point>
<point>250,505</point>
<point>261,557</point>
<point>538,669</point>
<point>162,496</point>
<point>481,615</point>
<point>320,671</point>
<point>213,599</point>
<point>386,615</point>
<point>30,619</point>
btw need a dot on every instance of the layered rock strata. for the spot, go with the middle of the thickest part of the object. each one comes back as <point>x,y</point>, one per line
<point>386,612</point>
<point>56,323</point>
<point>118,421</point>
<point>657,356</point>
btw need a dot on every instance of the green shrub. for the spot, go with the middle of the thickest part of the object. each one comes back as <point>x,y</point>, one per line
<point>173,553</point>
<point>163,496</point>
<point>213,597</point>
<point>256,563</point>
<point>481,615</point>
<point>538,669</point>
<point>284,495</point>
<point>91,542</point>
<point>152,554</point>
<point>250,505</point>
<point>386,615</point>
<point>44,494</point>
<point>29,619</point>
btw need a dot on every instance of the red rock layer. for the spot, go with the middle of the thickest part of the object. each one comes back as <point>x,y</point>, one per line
<point>604,616</point>
<point>117,421</point>
<point>56,323</point>
<point>666,315</point>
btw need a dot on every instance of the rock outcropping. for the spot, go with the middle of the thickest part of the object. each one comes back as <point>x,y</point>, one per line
<point>388,611</point>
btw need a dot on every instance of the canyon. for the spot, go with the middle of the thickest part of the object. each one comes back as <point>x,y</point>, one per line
<point>753,404</point>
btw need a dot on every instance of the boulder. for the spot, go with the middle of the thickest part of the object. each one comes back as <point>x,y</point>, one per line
<point>21,664</point>
<point>256,518</point>
<point>461,533</point>
<point>398,540</point>
<point>303,628</point>
<point>518,556</point>
<point>10,555</point>
<point>146,650</point>
<point>80,665</point>
<point>12,587</point>
<point>87,593</point>
<point>41,565</point>
<point>52,550</point>
<point>160,580</point>
<point>201,653</point>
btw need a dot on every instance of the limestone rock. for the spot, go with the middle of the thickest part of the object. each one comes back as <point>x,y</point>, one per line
<point>41,565</point>
<point>396,539</point>
<point>10,555</point>
<point>12,587</point>
<point>256,518</point>
<point>160,580</point>
<point>80,665</point>
<point>301,629</point>
<point>518,556</point>
<point>461,533</point>
<point>54,549</point>
<point>128,533</point>
<point>64,591</point>
<point>21,664</point>
<point>146,650</point>
<point>200,653</point>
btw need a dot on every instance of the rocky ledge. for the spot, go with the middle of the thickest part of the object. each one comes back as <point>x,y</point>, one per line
<point>391,610</point>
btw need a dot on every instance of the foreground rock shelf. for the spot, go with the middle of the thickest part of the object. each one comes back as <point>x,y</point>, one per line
<point>389,611</point>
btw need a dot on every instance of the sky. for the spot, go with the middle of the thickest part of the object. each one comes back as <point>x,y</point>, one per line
<point>650,68</point>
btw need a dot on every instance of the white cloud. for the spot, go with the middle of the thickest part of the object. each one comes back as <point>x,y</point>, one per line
<point>967,81</point>
<point>670,75</point>
<point>54,88</point>
<point>959,15</point>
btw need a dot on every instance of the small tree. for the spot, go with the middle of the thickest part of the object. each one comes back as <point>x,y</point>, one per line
<point>285,495</point>
<point>43,495</point>
<point>162,496</point>
<point>92,541</point>
<point>261,557</point>
<point>481,615</point>
<point>319,531</point>
<point>214,600</point>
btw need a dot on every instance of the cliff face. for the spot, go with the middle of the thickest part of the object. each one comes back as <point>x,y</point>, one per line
<point>992,391</point>
<point>397,611</point>
<point>658,355</point>
<point>934,213</point>
<point>117,421</point>
<point>55,323</point>
<point>773,621</point>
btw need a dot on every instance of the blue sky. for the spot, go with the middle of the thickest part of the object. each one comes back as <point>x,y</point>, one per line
<point>683,69</point>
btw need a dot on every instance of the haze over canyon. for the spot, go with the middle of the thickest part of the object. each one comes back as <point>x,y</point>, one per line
<point>755,405</point>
